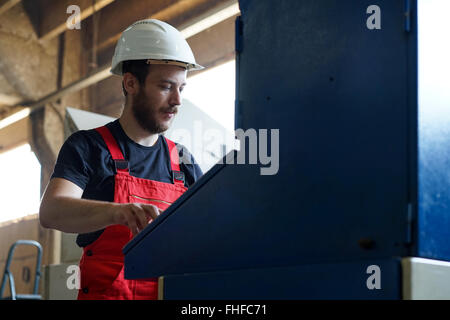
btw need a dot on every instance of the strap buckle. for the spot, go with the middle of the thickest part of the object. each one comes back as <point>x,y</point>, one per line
<point>121,165</point>
<point>178,175</point>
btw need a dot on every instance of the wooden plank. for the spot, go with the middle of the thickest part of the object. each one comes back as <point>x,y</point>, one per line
<point>9,111</point>
<point>210,18</point>
<point>14,135</point>
<point>54,15</point>
<point>175,12</point>
<point>215,45</point>
<point>9,99</point>
<point>161,288</point>
<point>5,5</point>
<point>94,77</point>
<point>118,16</point>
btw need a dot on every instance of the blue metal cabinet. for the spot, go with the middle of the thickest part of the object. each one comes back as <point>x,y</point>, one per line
<point>344,98</point>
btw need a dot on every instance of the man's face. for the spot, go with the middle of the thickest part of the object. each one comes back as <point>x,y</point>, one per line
<point>157,102</point>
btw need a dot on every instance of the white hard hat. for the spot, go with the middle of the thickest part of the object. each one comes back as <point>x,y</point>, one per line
<point>153,40</point>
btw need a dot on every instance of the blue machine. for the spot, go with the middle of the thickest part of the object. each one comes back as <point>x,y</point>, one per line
<point>358,183</point>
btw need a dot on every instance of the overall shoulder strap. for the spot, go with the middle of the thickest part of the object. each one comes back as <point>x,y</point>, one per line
<point>120,164</point>
<point>177,174</point>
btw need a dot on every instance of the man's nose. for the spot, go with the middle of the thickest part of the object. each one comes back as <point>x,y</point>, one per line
<point>175,98</point>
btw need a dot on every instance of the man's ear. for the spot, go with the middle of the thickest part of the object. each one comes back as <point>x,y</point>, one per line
<point>130,83</point>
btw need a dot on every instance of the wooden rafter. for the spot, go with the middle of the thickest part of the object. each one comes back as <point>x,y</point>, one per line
<point>178,13</point>
<point>5,5</point>
<point>53,15</point>
<point>9,100</point>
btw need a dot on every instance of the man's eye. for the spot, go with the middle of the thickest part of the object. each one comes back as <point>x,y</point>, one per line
<point>165,88</point>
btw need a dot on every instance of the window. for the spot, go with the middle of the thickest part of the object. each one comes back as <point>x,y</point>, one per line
<point>20,176</point>
<point>213,91</point>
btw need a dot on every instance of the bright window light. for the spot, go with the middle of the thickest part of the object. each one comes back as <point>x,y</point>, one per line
<point>211,20</point>
<point>14,117</point>
<point>434,66</point>
<point>20,176</point>
<point>213,91</point>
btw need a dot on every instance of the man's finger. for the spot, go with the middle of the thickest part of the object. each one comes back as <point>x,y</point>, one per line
<point>133,227</point>
<point>152,211</point>
<point>141,219</point>
<point>136,220</point>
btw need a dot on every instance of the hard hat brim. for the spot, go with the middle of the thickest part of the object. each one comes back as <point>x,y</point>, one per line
<point>117,70</point>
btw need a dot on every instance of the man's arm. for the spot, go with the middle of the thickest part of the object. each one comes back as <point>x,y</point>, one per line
<point>63,209</point>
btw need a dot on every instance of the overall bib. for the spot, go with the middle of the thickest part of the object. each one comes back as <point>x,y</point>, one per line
<point>101,266</point>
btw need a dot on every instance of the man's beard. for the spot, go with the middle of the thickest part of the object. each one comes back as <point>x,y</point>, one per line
<point>145,115</point>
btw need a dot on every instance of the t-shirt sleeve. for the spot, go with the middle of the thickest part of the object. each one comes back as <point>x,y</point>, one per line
<point>71,163</point>
<point>189,166</point>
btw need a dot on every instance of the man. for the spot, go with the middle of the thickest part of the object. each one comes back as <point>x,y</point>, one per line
<point>110,182</point>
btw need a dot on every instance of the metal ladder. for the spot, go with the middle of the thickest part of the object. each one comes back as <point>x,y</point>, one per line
<point>8,275</point>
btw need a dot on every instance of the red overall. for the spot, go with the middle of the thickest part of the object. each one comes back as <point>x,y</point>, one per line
<point>101,265</point>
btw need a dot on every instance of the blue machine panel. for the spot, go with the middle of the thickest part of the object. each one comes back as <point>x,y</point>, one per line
<point>339,95</point>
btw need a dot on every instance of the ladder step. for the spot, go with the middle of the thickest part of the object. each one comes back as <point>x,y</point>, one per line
<point>25,297</point>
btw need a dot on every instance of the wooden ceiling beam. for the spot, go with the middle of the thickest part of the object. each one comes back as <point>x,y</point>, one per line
<point>179,13</point>
<point>5,5</point>
<point>14,135</point>
<point>176,12</point>
<point>209,50</point>
<point>98,75</point>
<point>9,100</point>
<point>53,15</point>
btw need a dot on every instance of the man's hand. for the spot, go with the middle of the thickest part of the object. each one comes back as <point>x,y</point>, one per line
<point>63,209</point>
<point>135,216</point>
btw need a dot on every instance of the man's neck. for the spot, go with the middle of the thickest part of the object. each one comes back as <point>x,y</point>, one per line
<point>134,131</point>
